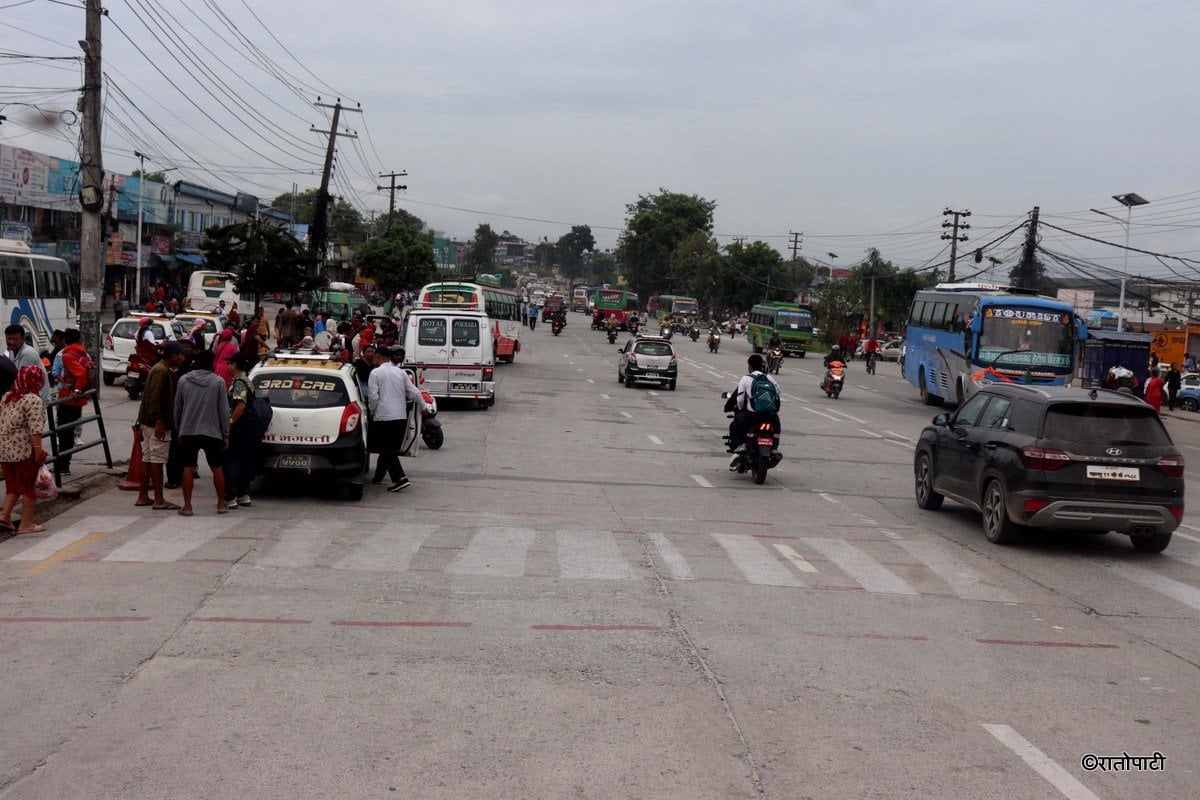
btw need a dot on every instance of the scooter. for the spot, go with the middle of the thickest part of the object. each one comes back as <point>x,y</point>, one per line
<point>834,379</point>
<point>760,450</point>
<point>556,327</point>
<point>774,359</point>
<point>136,373</point>
<point>431,426</point>
<point>714,342</point>
<point>633,325</point>
<point>666,333</point>
<point>612,335</point>
<point>695,333</point>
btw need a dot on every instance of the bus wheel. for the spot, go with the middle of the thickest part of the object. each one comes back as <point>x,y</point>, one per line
<point>927,397</point>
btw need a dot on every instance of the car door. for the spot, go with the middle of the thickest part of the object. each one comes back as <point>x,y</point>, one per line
<point>433,349</point>
<point>988,442</point>
<point>623,357</point>
<point>960,446</point>
<point>466,359</point>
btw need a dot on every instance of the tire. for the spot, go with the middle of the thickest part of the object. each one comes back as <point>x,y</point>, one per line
<point>837,391</point>
<point>628,382</point>
<point>133,391</point>
<point>927,498</point>
<point>997,526</point>
<point>1188,404</point>
<point>109,379</point>
<point>670,386</point>
<point>354,491</point>
<point>433,438</point>
<point>802,352</point>
<point>927,397</point>
<point>760,470</point>
<point>620,377</point>
<point>1153,543</point>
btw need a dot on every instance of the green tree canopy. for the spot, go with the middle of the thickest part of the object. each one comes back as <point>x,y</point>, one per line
<point>347,225</point>
<point>481,255</point>
<point>695,268</point>
<point>654,226</point>
<point>261,256</point>
<point>750,273</point>
<point>571,247</point>
<point>401,260</point>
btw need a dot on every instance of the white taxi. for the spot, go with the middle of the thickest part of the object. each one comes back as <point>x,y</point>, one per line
<point>119,343</point>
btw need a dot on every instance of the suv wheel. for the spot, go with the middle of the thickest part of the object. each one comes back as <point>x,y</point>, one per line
<point>927,498</point>
<point>354,491</point>
<point>671,385</point>
<point>110,378</point>
<point>997,526</point>
<point>1152,543</point>
<point>1188,404</point>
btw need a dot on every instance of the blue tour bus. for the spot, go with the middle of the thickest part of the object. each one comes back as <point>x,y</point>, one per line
<point>964,335</point>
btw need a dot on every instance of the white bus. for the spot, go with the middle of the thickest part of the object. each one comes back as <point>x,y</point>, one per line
<point>207,288</point>
<point>35,292</point>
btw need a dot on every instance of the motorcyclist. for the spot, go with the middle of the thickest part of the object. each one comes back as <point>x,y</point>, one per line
<point>775,342</point>
<point>610,325</point>
<point>739,402</point>
<point>835,355</point>
<point>145,345</point>
<point>598,319</point>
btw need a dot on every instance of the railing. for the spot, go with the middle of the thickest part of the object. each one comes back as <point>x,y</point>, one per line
<point>55,428</point>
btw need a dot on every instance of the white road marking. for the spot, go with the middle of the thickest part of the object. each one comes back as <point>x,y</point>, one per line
<point>898,436</point>
<point>755,561</point>
<point>389,549</point>
<point>897,441</point>
<point>300,545</point>
<point>797,399</point>
<point>797,560</point>
<point>829,498</point>
<point>702,481</point>
<point>589,380</point>
<point>870,433</point>
<point>495,551</point>
<point>626,415</point>
<point>1188,536</point>
<point>714,374</point>
<point>1191,447</point>
<point>805,371</point>
<point>822,414</point>
<point>1188,558</point>
<point>674,561</point>
<point>71,534</point>
<point>1059,778</point>
<point>1176,590</point>
<point>847,416</point>
<point>605,397</point>
<point>591,554</point>
<point>869,573</point>
<point>654,439</point>
<point>652,393</point>
<point>172,539</point>
<point>965,581</point>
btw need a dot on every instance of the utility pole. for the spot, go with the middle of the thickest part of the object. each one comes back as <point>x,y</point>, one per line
<point>1028,267</point>
<point>91,194</point>
<point>953,236</point>
<point>796,242</point>
<point>392,201</point>
<point>319,238</point>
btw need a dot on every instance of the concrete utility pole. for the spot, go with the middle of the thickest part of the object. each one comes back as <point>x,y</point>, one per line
<point>1029,254</point>
<point>796,242</point>
<point>91,193</point>
<point>319,232</point>
<point>953,236</point>
<point>392,200</point>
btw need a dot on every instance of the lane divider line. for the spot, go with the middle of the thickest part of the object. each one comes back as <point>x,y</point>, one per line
<point>1066,783</point>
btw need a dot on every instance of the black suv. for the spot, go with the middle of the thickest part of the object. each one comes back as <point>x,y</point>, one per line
<point>1051,457</point>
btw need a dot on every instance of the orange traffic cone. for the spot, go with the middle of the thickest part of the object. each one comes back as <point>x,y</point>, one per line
<point>133,478</point>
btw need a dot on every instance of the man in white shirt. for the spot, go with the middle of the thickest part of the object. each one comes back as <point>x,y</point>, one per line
<point>388,390</point>
<point>23,355</point>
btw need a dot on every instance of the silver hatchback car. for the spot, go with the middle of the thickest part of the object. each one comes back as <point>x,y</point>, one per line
<point>647,358</point>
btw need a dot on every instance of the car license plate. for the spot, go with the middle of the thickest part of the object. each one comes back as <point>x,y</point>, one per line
<point>650,375</point>
<point>1113,473</point>
<point>293,462</point>
<point>133,376</point>
<point>464,387</point>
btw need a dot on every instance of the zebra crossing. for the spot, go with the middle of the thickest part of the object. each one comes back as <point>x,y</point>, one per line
<point>871,564</point>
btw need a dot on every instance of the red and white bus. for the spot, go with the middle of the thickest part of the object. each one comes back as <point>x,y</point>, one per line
<point>502,306</point>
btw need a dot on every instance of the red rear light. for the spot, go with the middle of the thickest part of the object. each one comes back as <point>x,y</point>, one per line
<point>1171,466</point>
<point>487,373</point>
<point>633,359</point>
<point>1177,512</point>
<point>1044,458</point>
<point>674,361</point>
<point>108,342</point>
<point>351,416</point>
<point>1032,506</point>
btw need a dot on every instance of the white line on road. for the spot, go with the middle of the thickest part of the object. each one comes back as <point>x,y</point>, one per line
<point>1191,447</point>
<point>829,498</point>
<point>626,415</point>
<point>965,581</point>
<point>1059,778</point>
<point>847,416</point>
<point>715,374</point>
<point>897,441</point>
<point>590,380</point>
<point>870,433</point>
<point>652,393</point>
<point>300,545</point>
<point>700,479</point>
<point>605,397</point>
<point>796,559</point>
<point>822,414</point>
<point>654,439</point>
<point>755,561</point>
<point>1188,536</point>
<point>898,435</point>
<point>495,551</point>
<point>72,533</point>
<point>171,539</point>
<point>390,549</point>
<point>870,574</point>
<point>1176,590</point>
<point>674,561</point>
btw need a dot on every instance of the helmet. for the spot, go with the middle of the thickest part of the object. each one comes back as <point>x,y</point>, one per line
<point>144,322</point>
<point>836,349</point>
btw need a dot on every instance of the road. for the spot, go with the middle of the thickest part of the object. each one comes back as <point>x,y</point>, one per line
<point>576,598</point>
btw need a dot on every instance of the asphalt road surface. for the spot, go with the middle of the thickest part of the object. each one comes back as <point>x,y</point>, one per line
<point>576,598</point>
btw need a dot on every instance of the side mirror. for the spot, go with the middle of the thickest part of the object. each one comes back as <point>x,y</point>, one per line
<point>942,420</point>
<point>724,395</point>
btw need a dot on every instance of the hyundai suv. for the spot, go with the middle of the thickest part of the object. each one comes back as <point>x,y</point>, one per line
<point>318,420</point>
<point>647,358</point>
<point>1055,458</point>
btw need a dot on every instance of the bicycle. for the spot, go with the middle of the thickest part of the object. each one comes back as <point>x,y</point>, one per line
<point>872,357</point>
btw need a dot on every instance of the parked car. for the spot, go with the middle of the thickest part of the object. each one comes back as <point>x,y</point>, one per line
<point>1189,398</point>
<point>318,425</point>
<point>213,324</point>
<point>119,342</point>
<point>1055,458</point>
<point>647,358</point>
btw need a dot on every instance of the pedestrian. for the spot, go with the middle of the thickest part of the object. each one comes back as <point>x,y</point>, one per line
<point>156,426</point>
<point>197,334</point>
<point>1153,393</point>
<point>77,372</point>
<point>264,331</point>
<point>202,419</point>
<point>1153,361</point>
<point>118,306</point>
<point>253,343</point>
<point>23,355</point>
<point>59,343</point>
<point>22,418</point>
<point>234,316</point>
<point>1189,363</point>
<point>288,326</point>
<point>243,439</point>
<point>226,348</point>
<point>364,365</point>
<point>388,392</point>
<point>533,315</point>
<point>1174,380</point>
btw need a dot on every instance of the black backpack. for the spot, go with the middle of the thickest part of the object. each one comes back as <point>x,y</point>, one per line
<point>255,419</point>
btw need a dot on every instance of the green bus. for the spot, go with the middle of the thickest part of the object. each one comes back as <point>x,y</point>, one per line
<point>660,305</point>
<point>793,322</point>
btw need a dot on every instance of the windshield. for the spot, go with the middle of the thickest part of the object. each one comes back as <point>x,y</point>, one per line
<point>301,390</point>
<point>793,320</point>
<point>687,308</point>
<point>1035,337</point>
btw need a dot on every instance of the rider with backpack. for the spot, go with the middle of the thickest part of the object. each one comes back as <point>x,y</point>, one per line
<point>757,396</point>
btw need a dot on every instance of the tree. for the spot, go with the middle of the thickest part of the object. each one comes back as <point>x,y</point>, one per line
<point>654,227</point>
<point>346,225</point>
<point>261,256</point>
<point>158,177</point>
<point>545,254</point>
<point>745,272</point>
<point>400,260</point>
<point>571,247</point>
<point>696,267</point>
<point>400,219</point>
<point>481,255</point>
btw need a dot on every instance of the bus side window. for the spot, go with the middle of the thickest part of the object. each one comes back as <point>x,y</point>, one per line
<point>8,279</point>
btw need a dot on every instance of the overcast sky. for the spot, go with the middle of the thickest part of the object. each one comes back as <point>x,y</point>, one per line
<point>855,122</point>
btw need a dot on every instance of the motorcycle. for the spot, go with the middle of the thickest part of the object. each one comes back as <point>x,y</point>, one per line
<point>835,377</point>
<point>760,450</point>
<point>774,359</point>
<point>431,426</point>
<point>633,325</point>
<point>136,373</point>
<point>666,333</point>
<point>556,327</point>
<point>714,342</point>
<point>612,335</point>
<point>695,333</point>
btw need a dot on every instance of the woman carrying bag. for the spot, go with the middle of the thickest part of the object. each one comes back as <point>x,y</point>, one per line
<point>22,419</point>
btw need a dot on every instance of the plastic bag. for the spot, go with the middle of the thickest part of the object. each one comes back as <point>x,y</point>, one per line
<point>44,487</point>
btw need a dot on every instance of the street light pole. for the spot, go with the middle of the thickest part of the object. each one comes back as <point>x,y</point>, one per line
<point>137,272</point>
<point>1129,200</point>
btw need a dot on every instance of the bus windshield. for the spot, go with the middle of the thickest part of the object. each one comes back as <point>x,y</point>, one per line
<point>685,308</point>
<point>1026,336</point>
<point>793,320</point>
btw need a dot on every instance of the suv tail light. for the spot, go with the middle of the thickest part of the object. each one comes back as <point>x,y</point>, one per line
<point>1177,512</point>
<point>1171,466</point>
<point>108,342</point>
<point>1034,505</point>
<point>1044,458</point>
<point>487,373</point>
<point>351,417</point>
